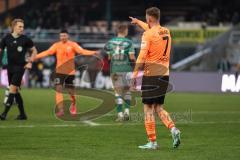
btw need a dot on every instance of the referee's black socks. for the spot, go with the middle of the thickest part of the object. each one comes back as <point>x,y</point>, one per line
<point>8,103</point>
<point>19,101</point>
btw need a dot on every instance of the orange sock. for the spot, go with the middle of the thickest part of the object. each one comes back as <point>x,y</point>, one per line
<point>166,119</point>
<point>73,99</point>
<point>150,126</point>
<point>59,100</point>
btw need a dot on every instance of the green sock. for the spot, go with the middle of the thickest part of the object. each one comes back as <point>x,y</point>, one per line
<point>119,108</point>
<point>127,103</point>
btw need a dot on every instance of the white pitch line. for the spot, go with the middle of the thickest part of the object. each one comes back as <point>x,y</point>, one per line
<point>26,126</point>
<point>63,125</point>
<point>213,112</point>
<point>21,126</point>
<point>187,111</point>
<point>90,123</point>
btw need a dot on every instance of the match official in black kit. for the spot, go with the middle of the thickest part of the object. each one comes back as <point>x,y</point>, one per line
<point>18,46</point>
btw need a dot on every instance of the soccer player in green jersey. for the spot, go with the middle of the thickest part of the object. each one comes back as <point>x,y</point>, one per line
<point>120,51</point>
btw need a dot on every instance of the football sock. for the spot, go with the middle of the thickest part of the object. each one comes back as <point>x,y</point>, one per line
<point>73,99</point>
<point>166,119</point>
<point>119,102</point>
<point>6,95</point>
<point>127,99</point>
<point>120,114</point>
<point>126,111</point>
<point>150,126</point>
<point>119,108</point>
<point>173,130</point>
<point>59,100</point>
<point>8,103</point>
<point>19,101</point>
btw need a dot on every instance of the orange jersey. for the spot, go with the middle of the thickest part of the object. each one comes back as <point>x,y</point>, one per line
<point>155,50</point>
<point>65,53</point>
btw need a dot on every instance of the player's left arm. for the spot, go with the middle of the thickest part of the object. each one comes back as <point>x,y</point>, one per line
<point>140,23</point>
<point>78,49</point>
<point>33,52</point>
<point>109,56</point>
<point>131,52</point>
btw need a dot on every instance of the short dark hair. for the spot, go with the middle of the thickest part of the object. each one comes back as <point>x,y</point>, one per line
<point>153,12</point>
<point>15,21</point>
<point>121,28</point>
<point>64,31</point>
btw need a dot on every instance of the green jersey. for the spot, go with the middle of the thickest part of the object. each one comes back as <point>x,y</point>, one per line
<point>119,49</point>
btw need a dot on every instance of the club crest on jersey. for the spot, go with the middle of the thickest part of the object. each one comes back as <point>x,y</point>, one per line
<point>19,48</point>
<point>69,48</point>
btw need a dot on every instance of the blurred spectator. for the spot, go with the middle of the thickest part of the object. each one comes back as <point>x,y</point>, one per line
<point>224,64</point>
<point>235,18</point>
<point>53,14</point>
<point>7,21</point>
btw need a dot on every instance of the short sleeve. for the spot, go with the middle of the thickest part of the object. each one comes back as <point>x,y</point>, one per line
<point>29,43</point>
<point>109,47</point>
<point>3,43</point>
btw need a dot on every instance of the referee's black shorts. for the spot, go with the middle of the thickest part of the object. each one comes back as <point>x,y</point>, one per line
<point>15,77</point>
<point>154,89</point>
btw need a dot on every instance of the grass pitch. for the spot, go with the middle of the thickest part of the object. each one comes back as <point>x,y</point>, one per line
<point>209,124</point>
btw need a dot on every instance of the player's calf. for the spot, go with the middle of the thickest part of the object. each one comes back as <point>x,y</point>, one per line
<point>119,104</point>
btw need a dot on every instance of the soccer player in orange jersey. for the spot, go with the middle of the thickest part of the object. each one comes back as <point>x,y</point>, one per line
<point>154,58</point>
<point>64,75</point>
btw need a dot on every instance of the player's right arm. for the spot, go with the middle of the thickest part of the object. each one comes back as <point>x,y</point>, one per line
<point>142,55</point>
<point>50,51</point>
<point>109,49</point>
<point>2,45</point>
<point>140,23</point>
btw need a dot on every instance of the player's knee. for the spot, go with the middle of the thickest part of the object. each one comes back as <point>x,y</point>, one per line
<point>59,88</point>
<point>13,89</point>
<point>71,91</point>
<point>118,90</point>
<point>128,96</point>
<point>159,108</point>
<point>118,99</point>
<point>148,108</point>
